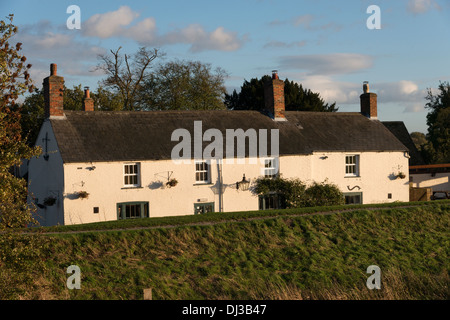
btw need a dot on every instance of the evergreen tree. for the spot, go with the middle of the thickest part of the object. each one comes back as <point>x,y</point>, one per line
<point>297,98</point>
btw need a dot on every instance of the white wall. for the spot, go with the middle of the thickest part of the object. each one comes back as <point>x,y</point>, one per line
<point>438,182</point>
<point>45,178</point>
<point>105,184</point>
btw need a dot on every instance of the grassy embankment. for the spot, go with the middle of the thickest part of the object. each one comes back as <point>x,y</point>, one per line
<point>279,255</point>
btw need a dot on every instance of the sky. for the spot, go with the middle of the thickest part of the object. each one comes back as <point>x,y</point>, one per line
<point>331,47</point>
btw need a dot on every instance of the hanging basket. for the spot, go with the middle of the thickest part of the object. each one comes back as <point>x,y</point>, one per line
<point>83,194</point>
<point>401,175</point>
<point>172,183</point>
<point>49,201</point>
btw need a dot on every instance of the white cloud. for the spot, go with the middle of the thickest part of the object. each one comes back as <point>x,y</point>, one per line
<point>43,44</point>
<point>304,20</point>
<point>201,40</point>
<point>109,24</point>
<point>281,44</point>
<point>122,23</point>
<point>414,107</point>
<point>400,91</point>
<point>332,90</point>
<point>143,32</point>
<point>346,94</point>
<point>308,22</point>
<point>328,64</point>
<point>422,6</point>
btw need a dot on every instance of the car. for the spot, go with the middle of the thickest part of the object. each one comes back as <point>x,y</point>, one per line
<point>439,195</point>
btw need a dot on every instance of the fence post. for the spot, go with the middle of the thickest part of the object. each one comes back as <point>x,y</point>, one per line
<point>148,294</point>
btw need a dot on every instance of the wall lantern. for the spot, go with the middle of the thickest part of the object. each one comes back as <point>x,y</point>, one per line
<point>243,184</point>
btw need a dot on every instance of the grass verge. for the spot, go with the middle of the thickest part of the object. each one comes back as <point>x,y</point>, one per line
<point>284,257</point>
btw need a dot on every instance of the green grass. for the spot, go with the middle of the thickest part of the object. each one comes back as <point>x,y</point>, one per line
<point>215,217</point>
<point>282,256</point>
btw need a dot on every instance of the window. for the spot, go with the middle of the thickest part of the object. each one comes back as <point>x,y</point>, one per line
<point>202,173</point>
<point>201,208</point>
<point>353,198</point>
<point>352,166</point>
<point>271,201</point>
<point>270,168</point>
<point>131,175</point>
<point>96,210</point>
<point>132,210</point>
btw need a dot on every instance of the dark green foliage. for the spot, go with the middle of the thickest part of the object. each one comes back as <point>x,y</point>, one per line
<point>291,190</point>
<point>438,121</point>
<point>251,97</point>
<point>323,194</point>
<point>296,195</point>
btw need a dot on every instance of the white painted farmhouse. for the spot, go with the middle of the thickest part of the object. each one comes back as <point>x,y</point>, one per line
<point>100,166</point>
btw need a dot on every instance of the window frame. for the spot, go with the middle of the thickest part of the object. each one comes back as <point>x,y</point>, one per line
<point>203,205</point>
<point>134,174</point>
<point>277,200</point>
<point>354,166</point>
<point>271,168</point>
<point>144,209</point>
<point>206,171</point>
<point>353,194</point>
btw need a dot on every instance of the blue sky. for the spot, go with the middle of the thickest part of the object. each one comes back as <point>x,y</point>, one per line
<point>323,44</point>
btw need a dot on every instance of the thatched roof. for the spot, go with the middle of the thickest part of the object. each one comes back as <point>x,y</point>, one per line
<point>133,136</point>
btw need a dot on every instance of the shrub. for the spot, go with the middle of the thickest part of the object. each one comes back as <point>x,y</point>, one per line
<point>295,194</point>
<point>323,194</point>
<point>291,190</point>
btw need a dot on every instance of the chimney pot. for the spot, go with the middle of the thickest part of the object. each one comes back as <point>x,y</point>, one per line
<point>88,102</point>
<point>274,74</point>
<point>366,86</point>
<point>53,68</point>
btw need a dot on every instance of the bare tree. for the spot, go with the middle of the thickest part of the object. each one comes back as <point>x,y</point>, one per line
<point>126,74</point>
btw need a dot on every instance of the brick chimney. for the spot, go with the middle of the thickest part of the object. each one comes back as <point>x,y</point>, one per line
<point>53,94</point>
<point>88,103</point>
<point>368,102</point>
<point>274,97</point>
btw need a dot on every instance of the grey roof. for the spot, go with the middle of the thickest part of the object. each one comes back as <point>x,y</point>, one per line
<point>399,130</point>
<point>133,136</point>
